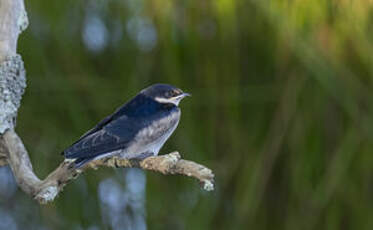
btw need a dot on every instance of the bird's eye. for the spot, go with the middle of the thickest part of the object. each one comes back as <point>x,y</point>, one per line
<point>176,92</point>
<point>172,93</point>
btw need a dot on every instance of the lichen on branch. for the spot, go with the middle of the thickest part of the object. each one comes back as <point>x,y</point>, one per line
<point>12,87</point>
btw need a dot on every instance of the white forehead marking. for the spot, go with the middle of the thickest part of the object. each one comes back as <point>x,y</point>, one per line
<point>174,100</point>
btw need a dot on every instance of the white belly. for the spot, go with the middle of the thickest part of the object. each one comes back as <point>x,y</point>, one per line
<point>162,129</point>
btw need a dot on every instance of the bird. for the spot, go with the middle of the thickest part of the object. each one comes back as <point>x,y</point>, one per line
<point>136,130</point>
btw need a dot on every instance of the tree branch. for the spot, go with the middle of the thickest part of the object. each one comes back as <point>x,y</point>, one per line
<point>13,20</point>
<point>46,190</point>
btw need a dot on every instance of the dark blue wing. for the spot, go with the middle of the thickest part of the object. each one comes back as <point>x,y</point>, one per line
<point>119,112</point>
<point>113,136</point>
<point>98,136</point>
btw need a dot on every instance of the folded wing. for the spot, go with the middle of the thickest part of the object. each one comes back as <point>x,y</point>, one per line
<point>113,135</point>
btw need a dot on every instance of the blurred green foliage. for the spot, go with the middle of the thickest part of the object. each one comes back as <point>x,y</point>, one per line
<point>282,106</point>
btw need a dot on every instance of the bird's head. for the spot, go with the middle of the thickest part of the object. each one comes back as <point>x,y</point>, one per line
<point>164,93</point>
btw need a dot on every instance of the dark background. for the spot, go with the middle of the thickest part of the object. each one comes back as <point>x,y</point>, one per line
<point>282,111</point>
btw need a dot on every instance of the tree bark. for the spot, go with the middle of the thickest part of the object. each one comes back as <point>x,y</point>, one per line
<point>13,20</point>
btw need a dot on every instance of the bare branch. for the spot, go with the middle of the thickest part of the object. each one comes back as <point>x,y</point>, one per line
<point>13,20</point>
<point>46,190</point>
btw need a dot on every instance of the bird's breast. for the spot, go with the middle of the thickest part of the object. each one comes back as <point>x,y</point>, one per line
<point>152,137</point>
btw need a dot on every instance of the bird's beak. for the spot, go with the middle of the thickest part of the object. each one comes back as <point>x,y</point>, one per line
<point>186,95</point>
<point>177,99</point>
